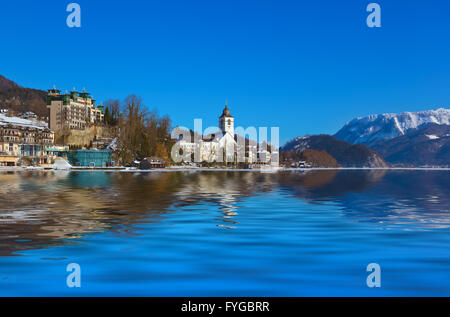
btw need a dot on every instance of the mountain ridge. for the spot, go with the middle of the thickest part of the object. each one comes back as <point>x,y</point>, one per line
<point>345,153</point>
<point>6,83</point>
<point>20,99</point>
<point>372,129</point>
<point>409,139</point>
<point>428,145</point>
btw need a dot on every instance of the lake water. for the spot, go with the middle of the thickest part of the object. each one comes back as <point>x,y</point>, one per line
<point>225,233</point>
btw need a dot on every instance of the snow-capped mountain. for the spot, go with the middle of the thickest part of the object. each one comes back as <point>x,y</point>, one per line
<point>373,129</point>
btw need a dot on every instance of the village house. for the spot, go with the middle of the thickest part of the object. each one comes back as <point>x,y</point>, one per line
<point>152,162</point>
<point>29,115</point>
<point>24,140</point>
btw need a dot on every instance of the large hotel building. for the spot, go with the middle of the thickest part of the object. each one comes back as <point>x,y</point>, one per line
<point>72,110</point>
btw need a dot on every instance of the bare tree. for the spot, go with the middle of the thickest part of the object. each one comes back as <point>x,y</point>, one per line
<point>142,133</point>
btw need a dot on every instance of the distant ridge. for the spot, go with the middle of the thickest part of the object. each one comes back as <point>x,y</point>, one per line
<point>346,154</point>
<point>372,129</point>
<point>411,139</point>
<point>6,83</point>
<point>428,145</point>
<point>20,99</point>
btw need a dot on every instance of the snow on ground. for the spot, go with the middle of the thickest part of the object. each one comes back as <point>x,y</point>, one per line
<point>113,145</point>
<point>4,120</point>
<point>61,164</point>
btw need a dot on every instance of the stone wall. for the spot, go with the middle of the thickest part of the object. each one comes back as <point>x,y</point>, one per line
<point>83,138</point>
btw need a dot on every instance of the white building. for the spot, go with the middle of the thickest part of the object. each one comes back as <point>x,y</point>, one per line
<point>223,146</point>
<point>216,147</point>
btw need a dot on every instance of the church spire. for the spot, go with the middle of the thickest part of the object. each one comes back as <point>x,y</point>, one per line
<point>226,111</point>
<point>226,121</point>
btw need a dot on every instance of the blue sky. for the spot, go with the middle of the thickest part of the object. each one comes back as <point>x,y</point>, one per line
<point>305,66</point>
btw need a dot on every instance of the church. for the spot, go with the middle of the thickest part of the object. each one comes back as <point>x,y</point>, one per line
<point>227,141</point>
<point>221,146</point>
<point>216,147</point>
<point>224,145</point>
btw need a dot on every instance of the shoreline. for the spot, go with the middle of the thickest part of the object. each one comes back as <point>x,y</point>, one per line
<point>187,169</point>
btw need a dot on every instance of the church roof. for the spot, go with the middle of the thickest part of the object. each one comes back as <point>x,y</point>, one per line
<point>226,113</point>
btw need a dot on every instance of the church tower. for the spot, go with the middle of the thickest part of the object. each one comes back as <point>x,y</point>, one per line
<point>226,122</point>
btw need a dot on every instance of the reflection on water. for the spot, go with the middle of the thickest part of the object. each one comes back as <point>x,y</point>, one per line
<point>196,217</point>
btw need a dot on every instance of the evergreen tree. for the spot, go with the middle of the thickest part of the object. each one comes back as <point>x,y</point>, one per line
<point>107,116</point>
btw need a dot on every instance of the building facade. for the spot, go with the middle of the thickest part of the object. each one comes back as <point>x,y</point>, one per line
<point>23,140</point>
<point>74,110</point>
<point>90,158</point>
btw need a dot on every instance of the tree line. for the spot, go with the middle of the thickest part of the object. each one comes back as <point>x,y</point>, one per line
<point>141,132</point>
